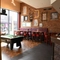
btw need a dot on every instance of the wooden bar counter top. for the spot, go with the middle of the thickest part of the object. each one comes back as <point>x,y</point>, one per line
<point>55,39</point>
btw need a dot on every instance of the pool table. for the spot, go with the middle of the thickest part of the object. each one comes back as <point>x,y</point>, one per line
<point>12,39</point>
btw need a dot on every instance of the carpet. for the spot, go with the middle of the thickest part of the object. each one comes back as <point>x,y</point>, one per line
<point>40,52</point>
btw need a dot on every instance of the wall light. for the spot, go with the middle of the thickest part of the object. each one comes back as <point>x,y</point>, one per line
<point>40,24</point>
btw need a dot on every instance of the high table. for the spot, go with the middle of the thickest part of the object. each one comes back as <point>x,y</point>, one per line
<point>12,39</point>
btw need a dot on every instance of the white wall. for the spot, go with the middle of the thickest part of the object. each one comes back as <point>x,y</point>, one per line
<point>52,1</point>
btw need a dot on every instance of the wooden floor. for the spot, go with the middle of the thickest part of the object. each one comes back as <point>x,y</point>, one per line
<point>26,45</point>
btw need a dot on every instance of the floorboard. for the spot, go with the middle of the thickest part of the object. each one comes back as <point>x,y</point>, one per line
<point>8,54</point>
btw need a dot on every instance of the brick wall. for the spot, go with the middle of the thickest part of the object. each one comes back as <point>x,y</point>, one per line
<point>52,25</point>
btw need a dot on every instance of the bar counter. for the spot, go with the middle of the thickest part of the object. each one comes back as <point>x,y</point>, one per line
<point>55,39</point>
<point>56,47</point>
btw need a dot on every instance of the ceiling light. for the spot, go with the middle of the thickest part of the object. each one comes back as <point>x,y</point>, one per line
<point>13,3</point>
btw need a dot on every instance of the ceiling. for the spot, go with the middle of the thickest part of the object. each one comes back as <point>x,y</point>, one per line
<point>37,3</point>
<point>43,3</point>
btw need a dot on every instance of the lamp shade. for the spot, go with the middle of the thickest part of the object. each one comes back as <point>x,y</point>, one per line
<point>3,12</point>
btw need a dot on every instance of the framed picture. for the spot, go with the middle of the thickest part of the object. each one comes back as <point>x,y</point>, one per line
<point>54,15</point>
<point>25,18</point>
<point>35,22</point>
<point>44,16</point>
<point>24,10</point>
<point>36,13</point>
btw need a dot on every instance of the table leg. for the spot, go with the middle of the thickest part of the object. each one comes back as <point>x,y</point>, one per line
<point>19,44</point>
<point>7,45</point>
<point>11,46</point>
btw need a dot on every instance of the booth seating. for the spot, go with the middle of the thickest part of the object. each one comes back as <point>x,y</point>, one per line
<point>31,33</point>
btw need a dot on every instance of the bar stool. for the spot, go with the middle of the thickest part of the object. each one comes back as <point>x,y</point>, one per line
<point>42,37</point>
<point>37,36</point>
<point>21,33</point>
<point>46,37</point>
<point>33,36</point>
<point>25,34</point>
<point>29,35</point>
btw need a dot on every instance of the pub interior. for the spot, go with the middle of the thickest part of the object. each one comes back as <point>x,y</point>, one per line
<point>35,22</point>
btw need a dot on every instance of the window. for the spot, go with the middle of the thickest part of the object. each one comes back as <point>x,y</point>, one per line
<point>4,22</point>
<point>13,21</point>
<point>9,22</point>
<point>25,24</point>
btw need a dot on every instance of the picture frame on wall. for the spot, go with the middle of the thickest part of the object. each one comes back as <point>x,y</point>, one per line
<point>54,15</point>
<point>35,22</point>
<point>25,18</point>
<point>24,10</point>
<point>36,13</point>
<point>44,16</point>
